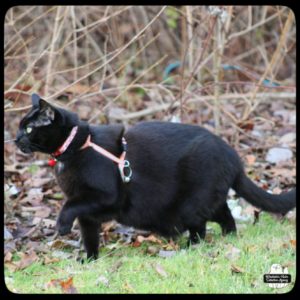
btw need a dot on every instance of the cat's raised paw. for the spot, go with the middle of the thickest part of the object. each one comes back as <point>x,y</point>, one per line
<point>63,229</point>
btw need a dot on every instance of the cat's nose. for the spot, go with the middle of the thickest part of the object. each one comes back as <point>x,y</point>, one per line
<point>18,140</point>
<point>18,137</point>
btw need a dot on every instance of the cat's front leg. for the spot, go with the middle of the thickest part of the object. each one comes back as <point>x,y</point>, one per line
<point>90,236</point>
<point>75,208</point>
<point>66,218</point>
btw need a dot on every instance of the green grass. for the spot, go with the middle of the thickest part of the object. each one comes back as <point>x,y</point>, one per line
<point>202,269</point>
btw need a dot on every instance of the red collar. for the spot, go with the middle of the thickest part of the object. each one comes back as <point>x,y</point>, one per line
<point>66,143</point>
<point>52,161</point>
<point>122,163</point>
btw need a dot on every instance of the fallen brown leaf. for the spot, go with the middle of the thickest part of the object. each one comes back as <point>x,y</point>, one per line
<point>152,250</point>
<point>160,270</point>
<point>288,264</point>
<point>236,269</point>
<point>171,245</point>
<point>62,244</point>
<point>32,199</point>
<point>247,125</point>
<point>277,190</point>
<point>15,168</point>
<point>285,245</point>
<point>283,172</point>
<point>254,283</point>
<point>128,287</point>
<point>48,223</point>
<point>251,248</point>
<point>48,260</point>
<point>293,243</point>
<point>40,211</point>
<point>43,212</point>
<point>233,253</point>
<point>79,88</point>
<point>10,246</point>
<point>8,257</point>
<point>250,159</point>
<point>116,266</point>
<point>108,226</point>
<point>26,260</point>
<point>37,182</point>
<point>11,266</point>
<point>291,216</point>
<point>136,244</point>
<point>151,238</point>
<point>66,285</point>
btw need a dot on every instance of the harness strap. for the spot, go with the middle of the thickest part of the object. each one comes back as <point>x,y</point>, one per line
<point>122,163</point>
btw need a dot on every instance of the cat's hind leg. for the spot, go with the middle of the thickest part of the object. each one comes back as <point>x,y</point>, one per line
<point>224,217</point>
<point>194,216</point>
<point>197,233</point>
<point>194,222</point>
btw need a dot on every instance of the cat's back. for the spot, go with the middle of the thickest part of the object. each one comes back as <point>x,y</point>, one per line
<point>169,142</point>
<point>167,131</point>
<point>166,142</point>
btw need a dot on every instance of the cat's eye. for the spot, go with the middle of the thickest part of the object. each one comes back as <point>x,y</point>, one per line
<point>28,129</point>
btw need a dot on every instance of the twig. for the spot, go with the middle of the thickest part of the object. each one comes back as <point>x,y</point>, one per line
<point>189,26</point>
<point>231,96</point>
<point>94,44</point>
<point>103,20</point>
<point>9,141</point>
<point>248,29</point>
<point>130,86</point>
<point>25,73</point>
<point>52,47</point>
<point>272,63</point>
<point>219,46</point>
<point>25,27</point>
<point>114,56</point>
<point>200,57</point>
<point>75,56</point>
<point>99,91</point>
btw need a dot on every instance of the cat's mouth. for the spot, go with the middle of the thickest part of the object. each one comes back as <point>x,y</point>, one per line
<point>25,150</point>
<point>29,147</point>
<point>23,147</point>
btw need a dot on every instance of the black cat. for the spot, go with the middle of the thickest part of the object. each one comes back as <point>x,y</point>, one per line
<point>180,177</point>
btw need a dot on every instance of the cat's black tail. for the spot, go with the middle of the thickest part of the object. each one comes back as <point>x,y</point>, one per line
<point>258,197</point>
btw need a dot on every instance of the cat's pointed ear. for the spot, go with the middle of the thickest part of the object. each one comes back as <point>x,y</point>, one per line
<point>47,110</point>
<point>35,99</point>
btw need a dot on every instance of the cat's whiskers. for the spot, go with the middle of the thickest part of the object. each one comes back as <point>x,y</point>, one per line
<point>10,141</point>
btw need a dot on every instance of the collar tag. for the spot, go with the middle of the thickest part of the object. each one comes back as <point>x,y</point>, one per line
<point>52,162</point>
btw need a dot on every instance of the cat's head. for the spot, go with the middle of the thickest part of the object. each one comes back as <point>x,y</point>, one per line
<point>45,127</point>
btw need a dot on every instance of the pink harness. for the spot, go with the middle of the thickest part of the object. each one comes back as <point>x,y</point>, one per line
<point>121,161</point>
